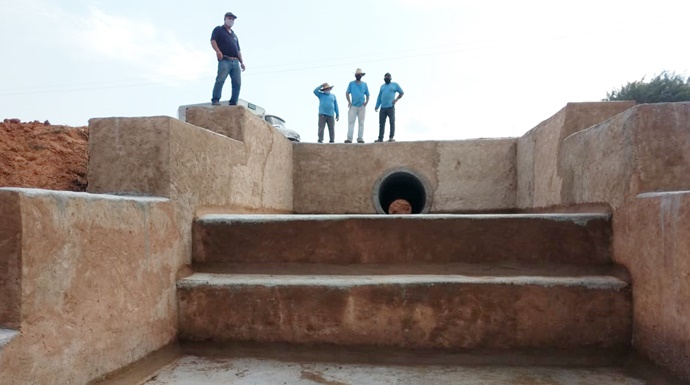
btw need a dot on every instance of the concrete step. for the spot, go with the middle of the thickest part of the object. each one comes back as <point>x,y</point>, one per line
<point>407,311</point>
<point>347,239</point>
<point>452,268</point>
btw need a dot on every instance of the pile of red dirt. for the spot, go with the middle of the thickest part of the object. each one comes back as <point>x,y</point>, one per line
<point>40,155</point>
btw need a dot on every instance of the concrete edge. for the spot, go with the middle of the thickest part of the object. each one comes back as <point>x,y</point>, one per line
<point>344,282</point>
<point>32,192</point>
<point>578,218</point>
<point>141,371</point>
<point>660,194</point>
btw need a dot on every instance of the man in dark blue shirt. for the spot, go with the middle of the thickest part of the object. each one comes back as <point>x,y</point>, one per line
<point>227,47</point>
<point>386,101</point>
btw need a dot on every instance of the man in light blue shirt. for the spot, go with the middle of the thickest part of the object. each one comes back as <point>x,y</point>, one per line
<point>360,98</point>
<point>328,107</point>
<point>386,100</point>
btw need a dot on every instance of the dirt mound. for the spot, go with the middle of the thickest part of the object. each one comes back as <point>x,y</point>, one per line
<point>40,155</point>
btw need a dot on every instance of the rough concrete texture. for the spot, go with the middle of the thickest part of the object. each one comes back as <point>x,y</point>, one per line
<point>130,155</point>
<point>223,120</point>
<point>471,175</point>
<point>344,239</point>
<point>97,283</point>
<point>644,149</point>
<point>10,260</point>
<point>198,169</point>
<point>192,370</point>
<point>447,312</point>
<point>652,241</point>
<point>538,151</point>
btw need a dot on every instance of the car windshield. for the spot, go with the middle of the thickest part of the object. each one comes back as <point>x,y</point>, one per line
<point>275,121</point>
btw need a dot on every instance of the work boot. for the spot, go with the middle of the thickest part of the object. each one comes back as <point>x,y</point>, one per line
<point>391,140</point>
<point>215,103</point>
<point>360,140</point>
<point>348,141</point>
<point>378,141</point>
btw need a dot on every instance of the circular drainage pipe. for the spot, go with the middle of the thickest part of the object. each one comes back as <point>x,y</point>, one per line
<point>402,184</point>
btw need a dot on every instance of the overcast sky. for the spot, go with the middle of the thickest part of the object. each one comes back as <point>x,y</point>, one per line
<point>469,69</point>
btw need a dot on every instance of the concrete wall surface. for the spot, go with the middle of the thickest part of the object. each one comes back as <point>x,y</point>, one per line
<point>644,149</point>
<point>197,168</point>
<point>97,285</point>
<point>464,176</point>
<point>539,151</point>
<point>652,240</point>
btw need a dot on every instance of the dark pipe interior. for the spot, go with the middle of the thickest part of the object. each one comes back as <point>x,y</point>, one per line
<point>402,185</point>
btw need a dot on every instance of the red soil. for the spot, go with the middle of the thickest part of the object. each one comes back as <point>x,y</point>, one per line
<point>40,155</point>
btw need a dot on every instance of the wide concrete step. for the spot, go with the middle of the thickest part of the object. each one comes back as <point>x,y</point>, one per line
<point>452,268</point>
<point>348,239</point>
<point>408,311</point>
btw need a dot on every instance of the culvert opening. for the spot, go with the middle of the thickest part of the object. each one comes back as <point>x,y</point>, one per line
<point>401,185</point>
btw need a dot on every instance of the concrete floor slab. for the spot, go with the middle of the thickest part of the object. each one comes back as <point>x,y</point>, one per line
<point>194,370</point>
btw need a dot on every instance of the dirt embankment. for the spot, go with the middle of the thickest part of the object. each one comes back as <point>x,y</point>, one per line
<point>40,155</point>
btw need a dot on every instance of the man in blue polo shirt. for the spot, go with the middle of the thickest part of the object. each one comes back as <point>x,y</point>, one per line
<point>328,107</point>
<point>227,47</point>
<point>357,106</point>
<point>386,100</point>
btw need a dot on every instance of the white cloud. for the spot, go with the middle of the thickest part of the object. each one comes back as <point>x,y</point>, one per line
<point>157,53</point>
<point>89,33</point>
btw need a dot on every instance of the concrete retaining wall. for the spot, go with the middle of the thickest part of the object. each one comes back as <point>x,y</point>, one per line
<point>464,176</point>
<point>96,289</point>
<point>652,240</point>
<point>539,151</point>
<point>644,149</point>
<point>195,167</point>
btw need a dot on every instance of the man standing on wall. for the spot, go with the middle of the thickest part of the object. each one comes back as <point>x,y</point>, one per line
<point>328,107</point>
<point>360,98</point>
<point>386,100</point>
<point>227,47</point>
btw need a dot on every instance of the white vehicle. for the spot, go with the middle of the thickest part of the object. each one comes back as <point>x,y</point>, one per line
<point>275,121</point>
<point>279,125</point>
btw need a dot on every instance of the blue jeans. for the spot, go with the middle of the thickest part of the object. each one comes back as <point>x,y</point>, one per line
<point>228,67</point>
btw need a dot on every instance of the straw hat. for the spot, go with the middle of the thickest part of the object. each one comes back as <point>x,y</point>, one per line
<point>326,86</point>
<point>359,72</point>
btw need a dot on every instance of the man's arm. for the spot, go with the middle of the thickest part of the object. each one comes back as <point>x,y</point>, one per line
<point>347,95</point>
<point>366,94</point>
<point>400,94</point>
<point>219,54</point>
<point>378,102</point>
<point>317,91</point>
<point>337,112</point>
<point>239,56</point>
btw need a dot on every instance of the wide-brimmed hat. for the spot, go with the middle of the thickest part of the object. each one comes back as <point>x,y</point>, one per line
<point>326,86</point>
<point>358,71</point>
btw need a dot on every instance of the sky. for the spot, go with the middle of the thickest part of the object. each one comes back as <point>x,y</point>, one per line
<point>469,69</point>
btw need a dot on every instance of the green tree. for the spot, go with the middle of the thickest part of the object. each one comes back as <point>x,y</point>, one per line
<point>665,87</point>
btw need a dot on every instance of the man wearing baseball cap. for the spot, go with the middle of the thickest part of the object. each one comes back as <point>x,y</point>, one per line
<point>230,62</point>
